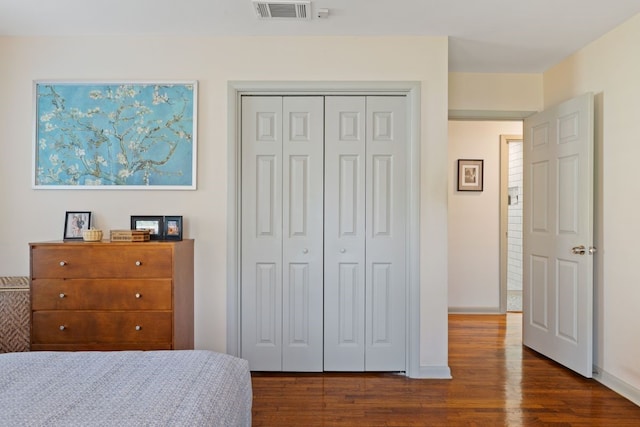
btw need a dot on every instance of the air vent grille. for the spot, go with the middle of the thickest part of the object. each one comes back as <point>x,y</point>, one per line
<point>283,9</point>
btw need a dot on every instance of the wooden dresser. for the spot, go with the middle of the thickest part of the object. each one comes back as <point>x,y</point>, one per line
<point>112,295</point>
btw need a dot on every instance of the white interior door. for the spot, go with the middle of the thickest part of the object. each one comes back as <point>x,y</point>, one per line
<point>365,233</point>
<point>282,220</point>
<point>385,290</point>
<point>558,234</point>
<point>324,233</point>
<point>302,251</point>
<point>344,288</point>
<point>261,257</point>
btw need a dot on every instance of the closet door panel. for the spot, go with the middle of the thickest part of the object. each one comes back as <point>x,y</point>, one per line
<point>303,168</point>
<point>344,234</point>
<point>261,274</point>
<point>385,299</point>
<point>323,233</point>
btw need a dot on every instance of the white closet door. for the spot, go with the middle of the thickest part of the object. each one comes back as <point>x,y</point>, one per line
<point>323,287</point>
<point>386,234</point>
<point>344,295</point>
<point>282,197</point>
<point>302,281</point>
<point>365,237</point>
<point>261,294</point>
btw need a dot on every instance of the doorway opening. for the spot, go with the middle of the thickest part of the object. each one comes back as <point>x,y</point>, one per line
<point>478,220</point>
<point>511,202</point>
<point>409,89</point>
<point>514,227</point>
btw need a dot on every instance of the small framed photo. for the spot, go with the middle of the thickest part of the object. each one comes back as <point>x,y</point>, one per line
<point>173,228</point>
<point>75,223</point>
<point>154,224</point>
<point>470,174</point>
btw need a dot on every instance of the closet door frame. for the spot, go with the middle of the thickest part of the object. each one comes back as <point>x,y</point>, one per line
<point>412,90</point>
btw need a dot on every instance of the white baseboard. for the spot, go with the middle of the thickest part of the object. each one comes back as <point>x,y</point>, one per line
<point>616,384</point>
<point>474,310</point>
<point>433,372</point>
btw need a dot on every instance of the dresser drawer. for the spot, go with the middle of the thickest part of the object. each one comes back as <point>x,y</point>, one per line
<point>101,260</point>
<point>107,296</point>
<point>65,327</point>
<point>101,294</point>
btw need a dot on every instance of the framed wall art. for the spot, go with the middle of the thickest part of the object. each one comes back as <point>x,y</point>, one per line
<point>470,174</point>
<point>172,228</point>
<point>75,223</point>
<point>155,225</point>
<point>115,135</point>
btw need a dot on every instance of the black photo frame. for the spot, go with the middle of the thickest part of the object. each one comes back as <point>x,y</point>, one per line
<point>75,222</point>
<point>470,174</point>
<point>153,223</point>
<point>173,228</point>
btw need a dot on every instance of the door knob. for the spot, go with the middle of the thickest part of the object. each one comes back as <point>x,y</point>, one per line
<point>578,250</point>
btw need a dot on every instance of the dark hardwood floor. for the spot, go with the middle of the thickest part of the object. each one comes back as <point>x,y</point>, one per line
<point>496,382</point>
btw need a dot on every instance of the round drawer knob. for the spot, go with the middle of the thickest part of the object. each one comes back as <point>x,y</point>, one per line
<point>63,263</point>
<point>62,327</point>
<point>62,295</point>
<point>305,251</point>
<point>138,263</point>
<point>343,250</point>
<point>138,295</point>
<point>138,327</point>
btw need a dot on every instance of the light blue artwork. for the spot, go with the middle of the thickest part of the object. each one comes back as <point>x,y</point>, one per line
<point>115,135</point>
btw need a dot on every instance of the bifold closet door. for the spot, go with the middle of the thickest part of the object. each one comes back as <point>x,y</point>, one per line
<point>344,233</point>
<point>282,223</point>
<point>386,222</point>
<point>365,237</point>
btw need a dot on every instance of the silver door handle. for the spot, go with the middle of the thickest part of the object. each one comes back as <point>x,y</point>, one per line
<point>578,250</point>
<point>592,250</point>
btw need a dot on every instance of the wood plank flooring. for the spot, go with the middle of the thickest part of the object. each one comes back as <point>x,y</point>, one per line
<point>496,382</point>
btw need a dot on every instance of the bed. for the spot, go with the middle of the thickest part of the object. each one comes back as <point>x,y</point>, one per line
<point>124,388</point>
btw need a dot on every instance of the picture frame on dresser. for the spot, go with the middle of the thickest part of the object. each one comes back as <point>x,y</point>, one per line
<point>154,223</point>
<point>173,228</point>
<point>75,223</point>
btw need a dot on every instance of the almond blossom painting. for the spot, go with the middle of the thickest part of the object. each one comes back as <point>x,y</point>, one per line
<point>115,135</point>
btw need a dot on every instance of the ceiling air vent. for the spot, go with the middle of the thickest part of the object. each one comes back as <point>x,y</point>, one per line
<point>283,9</point>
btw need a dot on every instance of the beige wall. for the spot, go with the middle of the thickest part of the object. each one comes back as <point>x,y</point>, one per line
<point>474,217</point>
<point>475,94</point>
<point>610,68</point>
<point>34,215</point>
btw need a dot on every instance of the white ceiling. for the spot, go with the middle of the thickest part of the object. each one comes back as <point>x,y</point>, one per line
<point>514,36</point>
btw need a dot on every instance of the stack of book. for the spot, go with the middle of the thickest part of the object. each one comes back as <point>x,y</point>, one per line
<point>130,235</point>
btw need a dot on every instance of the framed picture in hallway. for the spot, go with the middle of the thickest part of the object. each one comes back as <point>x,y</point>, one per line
<point>470,174</point>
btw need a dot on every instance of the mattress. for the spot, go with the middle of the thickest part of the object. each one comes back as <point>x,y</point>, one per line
<point>124,388</point>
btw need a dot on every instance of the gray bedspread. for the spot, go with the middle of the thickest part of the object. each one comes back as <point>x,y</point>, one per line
<point>124,388</point>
